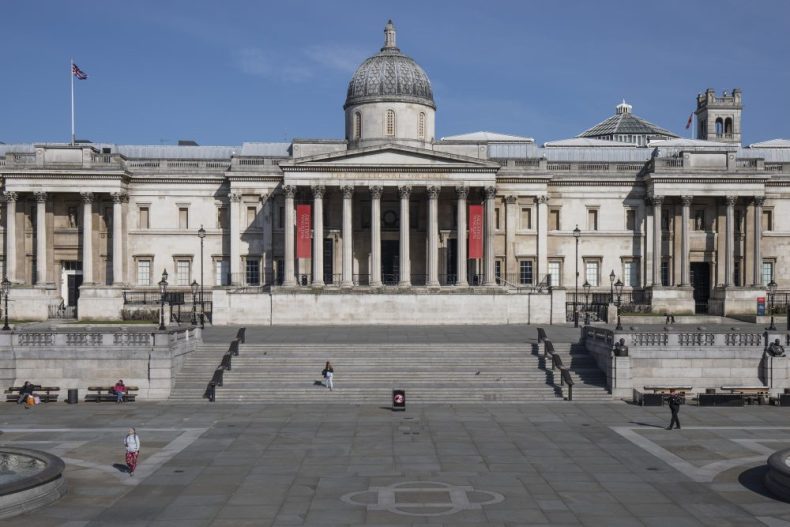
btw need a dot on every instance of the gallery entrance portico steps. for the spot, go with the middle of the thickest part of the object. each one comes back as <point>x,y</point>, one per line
<point>366,373</point>
<point>589,381</point>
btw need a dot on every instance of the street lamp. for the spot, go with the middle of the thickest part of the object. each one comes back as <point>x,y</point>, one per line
<point>586,287</point>
<point>201,235</point>
<point>576,234</point>
<point>194,303</point>
<point>618,286</point>
<point>611,286</point>
<point>6,289</point>
<point>162,293</point>
<point>771,294</point>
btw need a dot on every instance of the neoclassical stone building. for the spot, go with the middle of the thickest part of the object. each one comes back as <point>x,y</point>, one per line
<point>380,226</point>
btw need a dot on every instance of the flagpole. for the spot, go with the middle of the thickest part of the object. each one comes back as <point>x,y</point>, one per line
<point>71,74</point>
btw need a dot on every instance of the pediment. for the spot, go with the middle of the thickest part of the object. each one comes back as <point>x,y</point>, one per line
<point>390,156</point>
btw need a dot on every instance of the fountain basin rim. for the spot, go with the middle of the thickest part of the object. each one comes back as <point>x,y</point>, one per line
<point>53,470</point>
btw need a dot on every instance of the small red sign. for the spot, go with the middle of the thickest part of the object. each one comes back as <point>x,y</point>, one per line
<point>303,231</point>
<point>475,231</point>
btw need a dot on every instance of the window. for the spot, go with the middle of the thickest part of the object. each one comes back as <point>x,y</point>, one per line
<point>182,272</point>
<point>496,218</point>
<point>631,273</point>
<point>498,270</point>
<point>526,219</point>
<point>630,220</point>
<point>555,279</point>
<point>142,218</point>
<point>252,272</point>
<point>222,217</point>
<point>736,272</point>
<point>768,220</point>
<point>221,270</point>
<point>591,272</point>
<point>592,219</point>
<point>421,126</point>
<point>389,127</point>
<point>665,273</point>
<point>666,220</point>
<point>525,272</point>
<point>768,272</point>
<point>144,272</point>
<point>357,125</point>
<point>183,218</point>
<point>554,220</point>
<point>251,213</point>
<point>699,220</point>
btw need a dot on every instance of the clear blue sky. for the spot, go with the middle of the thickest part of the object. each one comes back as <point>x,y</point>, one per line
<point>228,72</point>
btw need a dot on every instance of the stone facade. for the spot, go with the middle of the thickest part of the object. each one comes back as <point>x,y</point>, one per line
<point>687,225</point>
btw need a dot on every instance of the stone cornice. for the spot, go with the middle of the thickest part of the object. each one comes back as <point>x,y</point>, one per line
<point>405,169</point>
<point>39,175</point>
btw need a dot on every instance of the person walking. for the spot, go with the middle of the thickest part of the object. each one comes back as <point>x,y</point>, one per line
<point>132,444</point>
<point>329,373</point>
<point>674,407</point>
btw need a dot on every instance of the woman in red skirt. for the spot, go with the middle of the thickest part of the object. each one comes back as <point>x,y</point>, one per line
<point>132,444</point>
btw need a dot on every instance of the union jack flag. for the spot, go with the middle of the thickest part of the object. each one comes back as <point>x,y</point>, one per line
<point>81,75</point>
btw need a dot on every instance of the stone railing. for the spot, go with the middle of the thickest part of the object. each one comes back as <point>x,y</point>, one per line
<point>90,338</point>
<point>543,165</point>
<point>211,165</point>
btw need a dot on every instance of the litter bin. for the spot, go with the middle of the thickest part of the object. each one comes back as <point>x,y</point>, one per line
<point>398,400</point>
<point>73,396</point>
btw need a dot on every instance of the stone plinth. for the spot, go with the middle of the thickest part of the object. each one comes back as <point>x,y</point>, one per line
<point>30,303</point>
<point>736,301</point>
<point>100,303</point>
<point>672,300</point>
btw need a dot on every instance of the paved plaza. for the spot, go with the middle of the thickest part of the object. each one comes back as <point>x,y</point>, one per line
<point>563,463</point>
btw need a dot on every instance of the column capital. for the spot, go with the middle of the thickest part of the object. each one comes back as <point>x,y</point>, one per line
<point>731,200</point>
<point>404,191</point>
<point>433,191</point>
<point>87,197</point>
<point>490,192</point>
<point>288,191</point>
<point>119,197</point>
<point>511,199</point>
<point>234,197</point>
<point>759,201</point>
<point>656,201</point>
<point>376,191</point>
<point>318,191</point>
<point>461,191</point>
<point>10,196</point>
<point>348,191</point>
<point>542,200</point>
<point>686,200</point>
<point>41,197</point>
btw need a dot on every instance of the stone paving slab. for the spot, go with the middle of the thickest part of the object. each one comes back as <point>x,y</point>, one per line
<point>579,464</point>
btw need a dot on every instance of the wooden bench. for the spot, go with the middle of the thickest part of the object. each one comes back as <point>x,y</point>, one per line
<point>751,394</point>
<point>106,393</point>
<point>50,394</point>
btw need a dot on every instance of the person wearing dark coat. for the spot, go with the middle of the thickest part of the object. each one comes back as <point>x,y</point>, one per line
<point>674,407</point>
<point>27,389</point>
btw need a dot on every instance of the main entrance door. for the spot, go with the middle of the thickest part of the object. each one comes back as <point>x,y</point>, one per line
<point>700,281</point>
<point>390,262</point>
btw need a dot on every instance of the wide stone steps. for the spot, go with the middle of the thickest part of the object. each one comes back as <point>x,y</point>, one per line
<point>366,374</point>
<point>589,380</point>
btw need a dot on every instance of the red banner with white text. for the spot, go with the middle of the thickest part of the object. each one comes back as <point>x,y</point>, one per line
<point>475,231</point>
<point>303,227</point>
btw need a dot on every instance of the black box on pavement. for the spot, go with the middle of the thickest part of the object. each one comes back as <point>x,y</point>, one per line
<point>652,399</point>
<point>784,399</point>
<point>399,400</point>
<point>73,396</point>
<point>721,399</point>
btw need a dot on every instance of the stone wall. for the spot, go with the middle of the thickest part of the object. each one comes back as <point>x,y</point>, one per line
<point>303,307</point>
<point>78,358</point>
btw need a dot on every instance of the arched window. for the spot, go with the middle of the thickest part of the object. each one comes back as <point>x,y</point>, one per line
<point>728,126</point>
<point>421,126</point>
<point>719,127</point>
<point>389,125</point>
<point>357,125</point>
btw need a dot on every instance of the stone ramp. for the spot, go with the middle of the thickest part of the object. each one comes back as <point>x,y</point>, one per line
<point>366,373</point>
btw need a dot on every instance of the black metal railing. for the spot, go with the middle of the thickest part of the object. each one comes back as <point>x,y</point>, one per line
<point>226,364</point>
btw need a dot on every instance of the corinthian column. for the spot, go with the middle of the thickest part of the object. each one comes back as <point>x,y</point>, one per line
<point>758,227</point>
<point>433,236</point>
<point>375,235</point>
<point>235,236</point>
<point>87,237</point>
<point>289,278</point>
<point>41,238</point>
<point>347,278</point>
<point>10,235</point>
<point>461,279</point>
<point>117,237</point>
<point>490,275</point>
<point>658,201</point>
<point>729,261</point>
<point>685,268</point>
<point>405,262</point>
<point>318,235</point>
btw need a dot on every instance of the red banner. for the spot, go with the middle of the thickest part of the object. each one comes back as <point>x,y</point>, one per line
<point>303,238</point>
<point>475,231</point>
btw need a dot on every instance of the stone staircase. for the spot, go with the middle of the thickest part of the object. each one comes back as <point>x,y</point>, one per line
<point>366,374</point>
<point>589,381</point>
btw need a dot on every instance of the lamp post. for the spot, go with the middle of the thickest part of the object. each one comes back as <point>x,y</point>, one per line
<point>576,234</point>
<point>611,286</point>
<point>201,235</point>
<point>6,289</point>
<point>586,287</point>
<point>618,286</point>
<point>771,294</point>
<point>194,302</point>
<point>162,293</point>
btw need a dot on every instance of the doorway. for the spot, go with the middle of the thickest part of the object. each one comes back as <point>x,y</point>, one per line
<point>700,281</point>
<point>329,258</point>
<point>390,262</point>
<point>452,261</point>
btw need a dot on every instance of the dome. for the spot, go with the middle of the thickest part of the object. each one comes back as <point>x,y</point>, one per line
<point>389,75</point>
